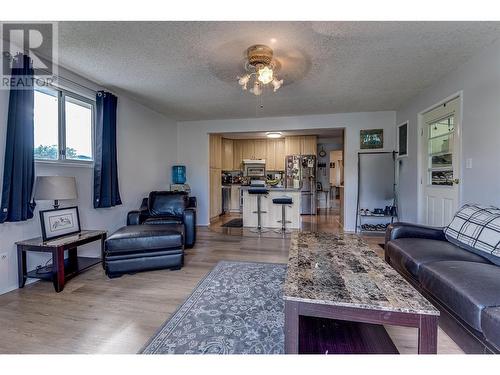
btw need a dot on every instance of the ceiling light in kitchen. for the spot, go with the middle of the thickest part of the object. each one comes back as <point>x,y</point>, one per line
<point>274,135</point>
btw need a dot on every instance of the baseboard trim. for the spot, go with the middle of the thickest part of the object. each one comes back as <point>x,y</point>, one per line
<point>14,287</point>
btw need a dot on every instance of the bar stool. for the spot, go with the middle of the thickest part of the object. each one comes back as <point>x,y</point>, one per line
<point>259,191</point>
<point>284,201</point>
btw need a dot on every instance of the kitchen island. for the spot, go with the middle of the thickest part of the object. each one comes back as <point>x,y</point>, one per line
<point>271,212</point>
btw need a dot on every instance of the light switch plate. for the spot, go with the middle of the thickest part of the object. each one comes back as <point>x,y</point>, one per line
<point>468,163</point>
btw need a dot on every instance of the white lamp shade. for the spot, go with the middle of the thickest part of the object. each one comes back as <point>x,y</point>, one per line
<point>55,188</point>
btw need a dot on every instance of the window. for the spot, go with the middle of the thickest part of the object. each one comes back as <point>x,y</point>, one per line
<point>403,139</point>
<point>440,151</point>
<point>64,125</point>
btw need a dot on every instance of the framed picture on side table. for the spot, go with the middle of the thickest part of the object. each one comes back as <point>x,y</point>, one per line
<point>59,222</point>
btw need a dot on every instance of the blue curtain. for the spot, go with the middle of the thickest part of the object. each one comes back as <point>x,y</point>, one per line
<point>19,164</point>
<point>106,192</point>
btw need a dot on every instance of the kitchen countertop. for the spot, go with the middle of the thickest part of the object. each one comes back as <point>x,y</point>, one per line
<point>246,187</point>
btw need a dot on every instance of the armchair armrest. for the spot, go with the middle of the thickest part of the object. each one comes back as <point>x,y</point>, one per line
<point>189,219</point>
<point>137,217</point>
<point>192,202</point>
<point>407,230</point>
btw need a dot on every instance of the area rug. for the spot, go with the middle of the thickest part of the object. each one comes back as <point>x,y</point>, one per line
<point>236,309</point>
<point>234,223</point>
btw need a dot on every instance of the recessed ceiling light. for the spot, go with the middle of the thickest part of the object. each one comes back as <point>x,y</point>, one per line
<point>273,134</point>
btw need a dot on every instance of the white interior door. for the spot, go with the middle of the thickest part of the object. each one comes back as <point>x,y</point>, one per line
<point>440,163</point>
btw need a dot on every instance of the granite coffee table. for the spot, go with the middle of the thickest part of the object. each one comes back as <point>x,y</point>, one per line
<point>338,278</point>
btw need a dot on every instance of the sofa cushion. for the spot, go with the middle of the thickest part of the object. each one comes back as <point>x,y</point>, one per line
<point>476,229</point>
<point>465,287</point>
<point>136,238</point>
<point>411,253</point>
<point>490,323</point>
<point>162,220</point>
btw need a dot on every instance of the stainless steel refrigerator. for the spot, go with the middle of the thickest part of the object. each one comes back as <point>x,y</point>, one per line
<point>301,174</point>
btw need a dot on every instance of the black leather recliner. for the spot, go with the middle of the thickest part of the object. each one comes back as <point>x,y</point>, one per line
<point>165,208</point>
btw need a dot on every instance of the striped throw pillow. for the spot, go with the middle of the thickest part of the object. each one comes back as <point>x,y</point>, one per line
<point>477,229</point>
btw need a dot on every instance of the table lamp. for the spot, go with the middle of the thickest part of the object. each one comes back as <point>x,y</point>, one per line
<point>55,188</point>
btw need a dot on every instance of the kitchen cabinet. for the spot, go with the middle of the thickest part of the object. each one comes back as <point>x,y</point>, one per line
<point>308,145</point>
<point>215,146</point>
<point>293,145</point>
<point>260,148</point>
<point>279,154</point>
<point>233,151</point>
<point>270,155</point>
<point>234,205</point>
<point>227,154</point>
<point>237,153</point>
<point>275,155</point>
<point>215,193</point>
<point>301,145</point>
<point>248,149</point>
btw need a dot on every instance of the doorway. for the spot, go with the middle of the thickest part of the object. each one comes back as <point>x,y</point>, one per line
<point>330,177</point>
<point>439,156</point>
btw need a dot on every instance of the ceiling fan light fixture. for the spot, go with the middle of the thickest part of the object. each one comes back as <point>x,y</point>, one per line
<point>276,84</point>
<point>260,70</point>
<point>274,134</point>
<point>265,75</point>
<point>243,81</point>
<point>257,89</point>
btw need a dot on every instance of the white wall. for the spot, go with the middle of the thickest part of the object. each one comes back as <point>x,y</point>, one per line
<point>147,148</point>
<point>193,147</point>
<point>479,79</point>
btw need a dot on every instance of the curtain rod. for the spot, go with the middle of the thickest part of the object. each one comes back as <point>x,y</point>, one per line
<point>58,77</point>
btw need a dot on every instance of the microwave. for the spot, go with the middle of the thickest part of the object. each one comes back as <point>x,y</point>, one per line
<point>255,170</point>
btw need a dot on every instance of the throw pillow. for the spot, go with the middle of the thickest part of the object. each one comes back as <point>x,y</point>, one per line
<point>477,229</point>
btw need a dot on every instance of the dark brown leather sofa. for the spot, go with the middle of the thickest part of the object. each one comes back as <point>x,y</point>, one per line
<point>464,286</point>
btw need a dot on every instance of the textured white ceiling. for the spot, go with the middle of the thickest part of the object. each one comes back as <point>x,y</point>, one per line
<point>187,70</point>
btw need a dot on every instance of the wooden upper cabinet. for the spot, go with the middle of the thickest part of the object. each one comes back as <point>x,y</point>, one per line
<point>301,145</point>
<point>215,147</point>
<point>227,154</point>
<point>275,159</point>
<point>293,145</point>
<point>271,155</point>
<point>237,153</point>
<point>279,154</point>
<point>260,149</point>
<point>215,193</point>
<point>308,145</point>
<point>248,149</point>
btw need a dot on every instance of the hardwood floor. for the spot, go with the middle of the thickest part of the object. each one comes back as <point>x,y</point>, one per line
<point>95,314</point>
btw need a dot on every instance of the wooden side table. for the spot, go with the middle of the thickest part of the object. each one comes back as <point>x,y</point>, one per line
<point>62,269</point>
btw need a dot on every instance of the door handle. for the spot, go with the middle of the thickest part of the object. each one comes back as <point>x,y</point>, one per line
<point>456,181</point>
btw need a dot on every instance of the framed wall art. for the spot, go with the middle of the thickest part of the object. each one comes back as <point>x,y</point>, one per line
<point>371,138</point>
<point>59,222</point>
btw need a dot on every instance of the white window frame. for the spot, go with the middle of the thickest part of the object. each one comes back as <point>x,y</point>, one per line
<point>61,127</point>
<point>407,123</point>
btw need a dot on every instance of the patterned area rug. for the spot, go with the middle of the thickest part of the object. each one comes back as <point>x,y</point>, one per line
<point>237,309</point>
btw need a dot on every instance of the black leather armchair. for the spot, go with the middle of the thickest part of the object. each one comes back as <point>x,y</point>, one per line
<point>166,207</point>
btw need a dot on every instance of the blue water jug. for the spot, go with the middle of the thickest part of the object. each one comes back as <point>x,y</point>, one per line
<point>179,174</point>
